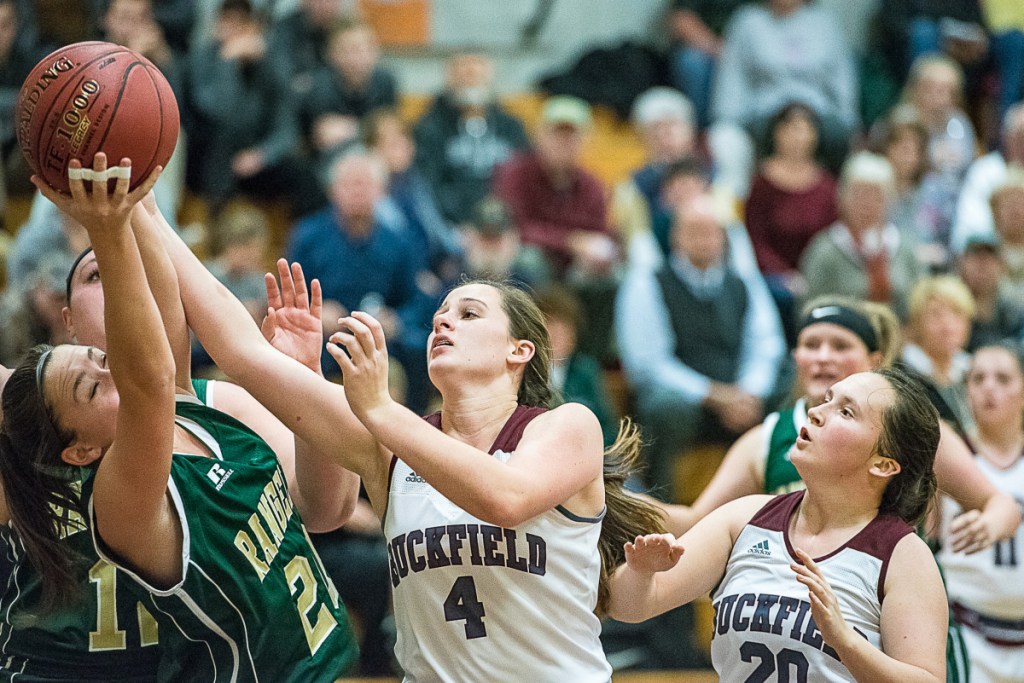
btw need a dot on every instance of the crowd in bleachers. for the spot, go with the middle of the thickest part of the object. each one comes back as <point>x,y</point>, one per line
<point>782,165</point>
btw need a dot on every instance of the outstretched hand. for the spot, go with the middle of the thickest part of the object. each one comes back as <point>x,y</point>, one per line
<point>97,209</point>
<point>293,324</point>
<point>361,351</point>
<point>653,553</point>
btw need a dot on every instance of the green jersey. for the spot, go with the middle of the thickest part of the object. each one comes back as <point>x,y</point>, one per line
<point>254,602</point>
<point>106,635</point>
<point>782,429</point>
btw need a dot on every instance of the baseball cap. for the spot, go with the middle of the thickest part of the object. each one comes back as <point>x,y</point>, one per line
<point>566,110</point>
<point>987,241</point>
<point>662,103</point>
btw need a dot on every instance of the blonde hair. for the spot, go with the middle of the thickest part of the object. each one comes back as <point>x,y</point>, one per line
<point>948,289</point>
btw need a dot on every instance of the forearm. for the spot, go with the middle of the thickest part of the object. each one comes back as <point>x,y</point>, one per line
<point>495,492</point>
<point>139,354</point>
<point>633,595</point>
<point>868,664</point>
<point>1001,514</point>
<point>163,283</point>
<point>325,493</point>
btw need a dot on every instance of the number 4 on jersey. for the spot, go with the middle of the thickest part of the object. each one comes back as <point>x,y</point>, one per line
<point>463,605</point>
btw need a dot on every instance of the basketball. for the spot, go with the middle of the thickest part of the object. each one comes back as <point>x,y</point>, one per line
<point>95,97</point>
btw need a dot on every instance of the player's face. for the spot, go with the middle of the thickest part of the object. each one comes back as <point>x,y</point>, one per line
<point>83,316</point>
<point>81,392</point>
<point>843,431</point>
<point>470,331</point>
<point>826,353</point>
<point>995,388</point>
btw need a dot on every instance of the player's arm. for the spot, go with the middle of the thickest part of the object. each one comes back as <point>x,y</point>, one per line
<point>914,623</point>
<point>659,577</point>
<point>990,515</point>
<point>133,512</point>
<point>307,405</point>
<point>163,283</point>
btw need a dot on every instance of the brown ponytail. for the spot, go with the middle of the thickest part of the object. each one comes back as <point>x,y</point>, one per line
<point>626,516</point>
<point>42,492</point>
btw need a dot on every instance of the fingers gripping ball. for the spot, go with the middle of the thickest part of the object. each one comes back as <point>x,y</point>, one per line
<point>95,97</point>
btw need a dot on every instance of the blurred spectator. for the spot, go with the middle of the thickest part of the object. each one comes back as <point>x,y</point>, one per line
<point>30,309</point>
<point>241,234</point>
<point>19,52</point>
<point>133,23</point>
<point>698,349</point>
<point>387,135</point>
<point>299,39</point>
<point>910,29</point>
<point>864,255</point>
<point>664,119</point>
<point>560,208</point>
<point>493,251</point>
<point>366,264</point>
<point>941,309</point>
<point>46,232</point>
<point>575,377</point>
<point>792,199</point>
<point>998,315</point>
<point>973,211</point>
<point>1008,213</point>
<point>555,203</point>
<point>777,52</point>
<point>1005,21</point>
<point>936,90</point>
<point>464,135</point>
<point>347,88</point>
<point>245,136</point>
<point>697,27</point>
<point>904,142</point>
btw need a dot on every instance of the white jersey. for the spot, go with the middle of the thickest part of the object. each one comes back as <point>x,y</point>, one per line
<point>763,629</point>
<point>476,602</point>
<point>986,589</point>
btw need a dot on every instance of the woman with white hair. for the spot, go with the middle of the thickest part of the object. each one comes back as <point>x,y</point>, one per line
<point>863,255</point>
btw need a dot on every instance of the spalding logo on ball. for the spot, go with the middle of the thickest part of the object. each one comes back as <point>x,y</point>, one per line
<point>95,97</point>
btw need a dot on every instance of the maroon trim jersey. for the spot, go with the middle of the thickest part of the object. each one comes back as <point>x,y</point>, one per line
<point>478,602</point>
<point>762,617</point>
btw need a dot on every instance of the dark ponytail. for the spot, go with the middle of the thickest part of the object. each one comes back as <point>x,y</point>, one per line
<point>42,492</point>
<point>910,436</point>
<point>626,515</point>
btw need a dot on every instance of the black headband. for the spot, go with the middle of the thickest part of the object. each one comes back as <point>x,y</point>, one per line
<point>844,317</point>
<point>71,273</point>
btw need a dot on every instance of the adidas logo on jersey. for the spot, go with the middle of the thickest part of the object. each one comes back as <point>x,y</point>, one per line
<point>218,475</point>
<point>414,478</point>
<point>760,549</point>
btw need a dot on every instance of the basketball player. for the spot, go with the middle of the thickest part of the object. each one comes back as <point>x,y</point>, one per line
<point>500,515</point>
<point>826,584</point>
<point>215,548</point>
<point>986,589</point>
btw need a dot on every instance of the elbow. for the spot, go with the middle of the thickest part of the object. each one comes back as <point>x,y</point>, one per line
<point>504,510</point>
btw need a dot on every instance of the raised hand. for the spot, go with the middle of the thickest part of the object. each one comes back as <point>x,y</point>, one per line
<point>824,604</point>
<point>363,362</point>
<point>653,553</point>
<point>97,208</point>
<point>293,324</point>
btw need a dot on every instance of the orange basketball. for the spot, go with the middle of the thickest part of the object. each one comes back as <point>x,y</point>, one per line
<point>95,97</point>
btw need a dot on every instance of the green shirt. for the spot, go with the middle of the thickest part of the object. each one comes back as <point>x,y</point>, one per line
<point>254,601</point>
